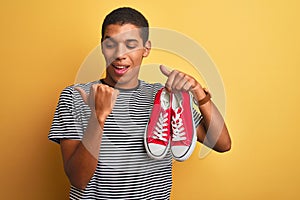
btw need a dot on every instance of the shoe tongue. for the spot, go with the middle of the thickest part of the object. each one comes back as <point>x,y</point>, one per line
<point>165,104</point>
<point>177,100</point>
<point>165,100</point>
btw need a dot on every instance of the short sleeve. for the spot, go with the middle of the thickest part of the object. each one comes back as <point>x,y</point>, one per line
<point>67,122</point>
<point>197,117</point>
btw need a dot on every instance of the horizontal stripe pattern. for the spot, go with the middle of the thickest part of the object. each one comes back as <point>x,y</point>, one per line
<point>124,170</point>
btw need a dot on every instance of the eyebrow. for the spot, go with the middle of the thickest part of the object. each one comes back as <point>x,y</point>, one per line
<point>112,39</point>
<point>132,40</point>
<point>107,38</point>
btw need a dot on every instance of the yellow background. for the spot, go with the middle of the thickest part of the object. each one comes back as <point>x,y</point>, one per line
<point>254,43</point>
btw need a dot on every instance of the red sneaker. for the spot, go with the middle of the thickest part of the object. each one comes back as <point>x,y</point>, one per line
<point>157,135</point>
<point>184,135</point>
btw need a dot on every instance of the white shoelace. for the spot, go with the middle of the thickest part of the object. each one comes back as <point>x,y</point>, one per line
<point>161,128</point>
<point>177,126</point>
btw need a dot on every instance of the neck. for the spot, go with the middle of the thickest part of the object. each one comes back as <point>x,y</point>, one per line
<point>120,84</point>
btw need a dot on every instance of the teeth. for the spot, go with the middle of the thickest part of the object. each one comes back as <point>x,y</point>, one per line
<point>120,67</point>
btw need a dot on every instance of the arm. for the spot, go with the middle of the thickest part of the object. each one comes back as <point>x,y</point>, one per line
<point>80,158</point>
<point>212,131</point>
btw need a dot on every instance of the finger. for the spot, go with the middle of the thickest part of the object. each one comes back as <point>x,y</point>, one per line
<point>179,81</point>
<point>83,94</point>
<point>93,89</point>
<point>170,80</point>
<point>164,70</point>
<point>115,95</point>
<point>187,86</point>
<point>116,92</point>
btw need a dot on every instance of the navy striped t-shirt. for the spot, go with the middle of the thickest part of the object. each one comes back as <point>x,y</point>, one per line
<point>124,170</point>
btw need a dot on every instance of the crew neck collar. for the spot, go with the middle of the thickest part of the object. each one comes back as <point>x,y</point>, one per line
<point>121,89</point>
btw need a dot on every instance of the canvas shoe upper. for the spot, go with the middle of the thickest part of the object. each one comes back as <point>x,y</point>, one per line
<point>184,135</point>
<point>157,134</point>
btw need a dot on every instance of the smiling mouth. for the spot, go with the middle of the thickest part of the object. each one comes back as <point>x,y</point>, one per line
<point>120,69</point>
<point>120,66</point>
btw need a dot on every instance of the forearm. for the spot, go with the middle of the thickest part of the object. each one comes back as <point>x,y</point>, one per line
<point>212,131</point>
<point>82,163</point>
<point>216,134</point>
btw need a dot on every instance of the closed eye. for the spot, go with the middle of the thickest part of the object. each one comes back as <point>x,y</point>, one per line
<point>109,43</point>
<point>132,44</point>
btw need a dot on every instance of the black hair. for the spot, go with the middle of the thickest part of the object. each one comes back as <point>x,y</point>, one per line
<point>127,15</point>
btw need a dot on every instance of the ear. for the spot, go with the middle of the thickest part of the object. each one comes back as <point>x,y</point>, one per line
<point>147,48</point>
<point>101,46</point>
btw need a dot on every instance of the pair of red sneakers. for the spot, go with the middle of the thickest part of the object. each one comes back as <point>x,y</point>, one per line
<point>171,125</point>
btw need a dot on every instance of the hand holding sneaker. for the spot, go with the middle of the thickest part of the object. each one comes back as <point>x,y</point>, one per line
<point>214,135</point>
<point>179,81</point>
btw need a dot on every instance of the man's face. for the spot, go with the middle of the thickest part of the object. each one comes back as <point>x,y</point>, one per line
<point>123,50</point>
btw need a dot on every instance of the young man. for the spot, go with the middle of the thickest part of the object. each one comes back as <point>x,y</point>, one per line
<point>100,125</point>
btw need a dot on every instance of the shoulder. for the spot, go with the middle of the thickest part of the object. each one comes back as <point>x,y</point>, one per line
<point>70,95</point>
<point>70,90</point>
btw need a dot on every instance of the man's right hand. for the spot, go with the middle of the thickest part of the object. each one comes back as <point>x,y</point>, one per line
<point>101,100</point>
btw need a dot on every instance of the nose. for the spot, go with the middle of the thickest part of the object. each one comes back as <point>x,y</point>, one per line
<point>120,52</point>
